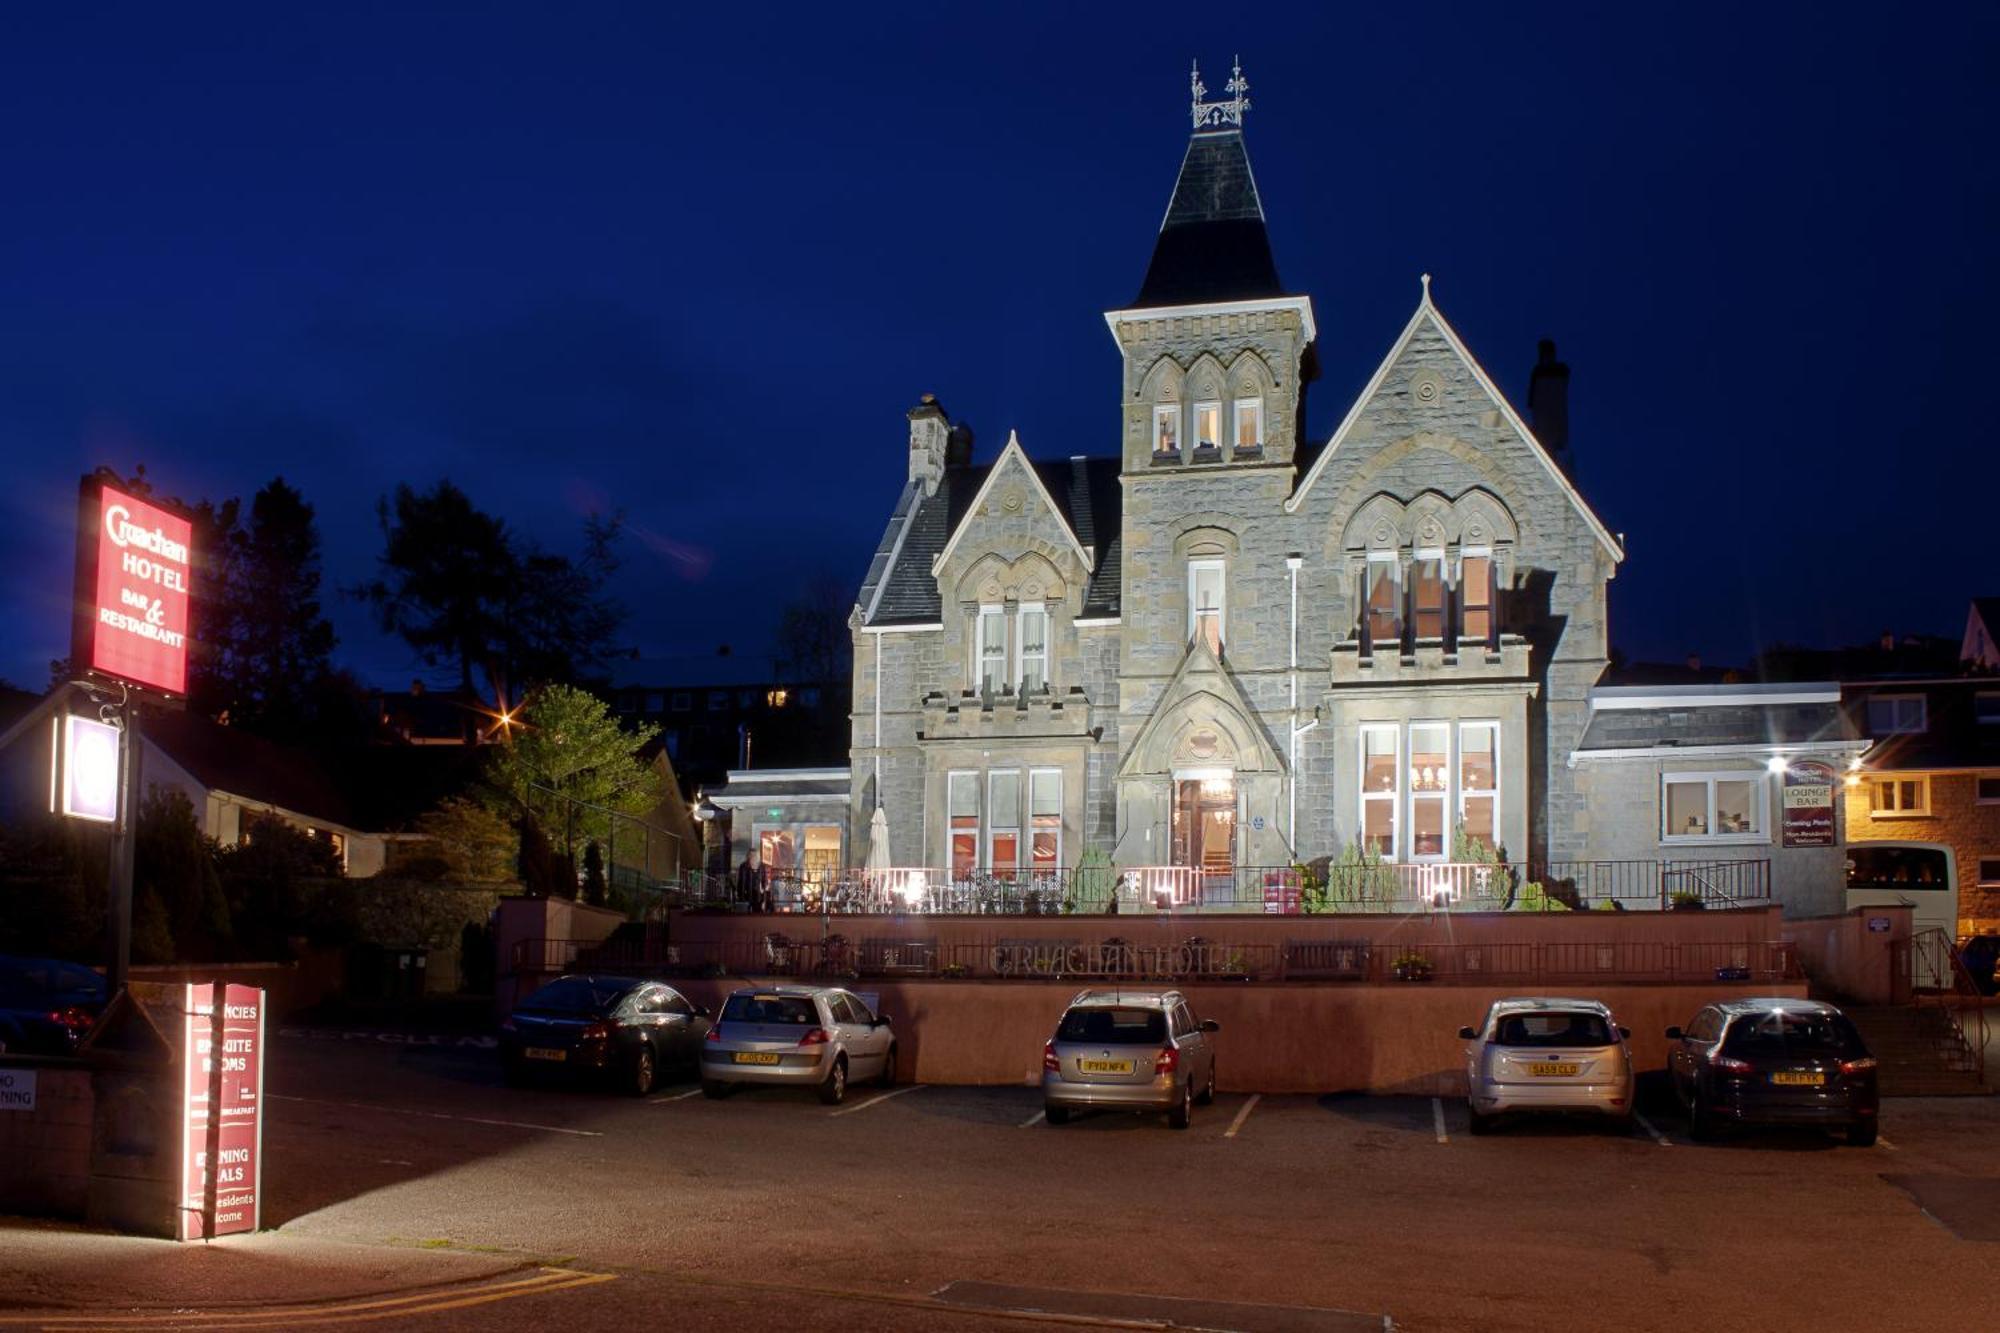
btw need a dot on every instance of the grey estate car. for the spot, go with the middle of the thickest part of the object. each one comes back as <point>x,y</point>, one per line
<point>803,1036</point>
<point>1134,1050</point>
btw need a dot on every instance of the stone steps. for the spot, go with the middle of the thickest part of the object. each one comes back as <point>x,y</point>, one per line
<point>1919,1052</point>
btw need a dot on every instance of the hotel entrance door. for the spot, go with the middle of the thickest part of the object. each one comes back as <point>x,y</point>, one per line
<point>1204,829</point>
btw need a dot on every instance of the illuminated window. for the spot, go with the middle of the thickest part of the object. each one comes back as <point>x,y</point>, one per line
<point>1045,810</point>
<point>1895,714</point>
<point>1430,789</point>
<point>1207,425</point>
<point>1034,640</point>
<point>1384,600</point>
<point>992,648</point>
<point>962,802</point>
<point>1205,603</point>
<point>1899,797</point>
<point>1479,781</point>
<point>777,698</point>
<point>1003,821</point>
<point>1167,428</point>
<point>1379,790</point>
<point>1427,594</point>
<point>1712,806</point>
<point>1475,597</point>
<point>1249,425</point>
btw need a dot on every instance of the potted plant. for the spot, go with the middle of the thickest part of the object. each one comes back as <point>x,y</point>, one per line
<point>953,970</point>
<point>1411,966</point>
<point>1686,900</point>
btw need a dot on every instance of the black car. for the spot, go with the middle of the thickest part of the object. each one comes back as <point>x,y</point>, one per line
<point>47,1005</point>
<point>1776,1062</point>
<point>610,1028</point>
<point>1981,956</point>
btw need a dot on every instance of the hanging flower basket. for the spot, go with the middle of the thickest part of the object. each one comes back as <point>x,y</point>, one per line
<point>1411,967</point>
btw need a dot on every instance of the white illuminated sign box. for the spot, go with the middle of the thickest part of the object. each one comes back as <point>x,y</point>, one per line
<point>90,769</point>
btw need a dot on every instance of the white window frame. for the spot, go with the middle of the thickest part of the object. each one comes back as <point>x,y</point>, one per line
<point>1221,568</point>
<point>1021,656</point>
<point>1251,409</point>
<point>951,779</point>
<point>1392,798</point>
<point>1894,783</point>
<point>991,616</point>
<point>1461,791</point>
<point>1166,414</point>
<point>1206,405</point>
<point>1979,871</point>
<point>1457,612</point>
<point>1979,797</point>
<point>1034,827</point>
<point>992,828</point>
<point>1760,807</point>
<point>1432,555</point>
<point>1442,799</point>
<point>1393,562</point>
<point>1896,728</point>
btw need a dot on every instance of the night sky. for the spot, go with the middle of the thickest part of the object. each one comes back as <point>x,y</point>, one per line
<point>695,262</point>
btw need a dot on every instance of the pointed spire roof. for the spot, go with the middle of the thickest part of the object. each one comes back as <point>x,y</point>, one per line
<point>1213,246</point>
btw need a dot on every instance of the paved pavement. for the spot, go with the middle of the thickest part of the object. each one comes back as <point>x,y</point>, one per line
<point>408,1186</point>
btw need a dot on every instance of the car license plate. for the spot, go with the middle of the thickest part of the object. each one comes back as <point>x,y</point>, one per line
<point>1553,1069</point>
<point>545,1053</point>
<point>756,1057</point>
<point>1792,1079</point>
<point>1104,1066</point>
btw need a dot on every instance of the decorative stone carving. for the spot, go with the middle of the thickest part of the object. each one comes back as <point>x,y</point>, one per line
<point>1427,388</point>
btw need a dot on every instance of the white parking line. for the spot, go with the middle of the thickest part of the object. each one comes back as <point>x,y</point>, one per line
<point>876,1101</point>
<point>1437,1118</point>
<point>1647,1125</point>
<point>1242,1115</point>
<point>437,1115</point>
<point>677,1096</point>
<point>1034,1119</point>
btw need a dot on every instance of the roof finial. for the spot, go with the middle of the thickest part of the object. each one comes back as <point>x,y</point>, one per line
<point>1427,286</point>
<point>1220,113</point>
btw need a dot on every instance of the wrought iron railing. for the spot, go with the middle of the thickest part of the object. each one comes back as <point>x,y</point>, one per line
<point>1939,979</point>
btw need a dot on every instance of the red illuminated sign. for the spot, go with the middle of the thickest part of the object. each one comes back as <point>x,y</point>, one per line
<point>221,1110</point>
<point>135,565</point>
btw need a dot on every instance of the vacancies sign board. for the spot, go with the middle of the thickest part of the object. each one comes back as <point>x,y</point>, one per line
<point>134,573</point>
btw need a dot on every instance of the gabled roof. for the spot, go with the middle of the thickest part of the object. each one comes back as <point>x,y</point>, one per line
<point>1426,312</point>
<point>1199,667</point>
<point>1013,450</point>
<point>1213,245</point>
<point>230,760</point>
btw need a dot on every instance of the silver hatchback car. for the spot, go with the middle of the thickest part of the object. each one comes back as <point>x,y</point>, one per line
<point>803,1036</point>
<point>1547,1054</point>
<point>1134,1050</point>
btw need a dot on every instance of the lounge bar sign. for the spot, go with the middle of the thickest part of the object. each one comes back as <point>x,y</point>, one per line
<point>134,570</point>
<point>1808,804</point>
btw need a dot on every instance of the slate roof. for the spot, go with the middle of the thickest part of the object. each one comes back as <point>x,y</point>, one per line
<point>1698,725</point>
<point>1213,245</point>
<point>1086,495</point>
<point>226,759</point>
<point>1952,737</point>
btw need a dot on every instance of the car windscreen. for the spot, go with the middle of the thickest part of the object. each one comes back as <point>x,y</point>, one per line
<point>576,995</point>
<point>797,1010</point>
<point>1784,1034</point>
<point>1113,1026</point>
<point>1553,1028</point>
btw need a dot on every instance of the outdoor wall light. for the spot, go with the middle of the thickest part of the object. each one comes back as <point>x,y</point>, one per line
<point>90,769</point>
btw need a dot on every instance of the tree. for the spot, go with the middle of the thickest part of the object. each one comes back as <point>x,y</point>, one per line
<point>814,642</point>
<point>595,890</point>
<point>469,841</point>
<point>175,863</point>
<point>570,767</point>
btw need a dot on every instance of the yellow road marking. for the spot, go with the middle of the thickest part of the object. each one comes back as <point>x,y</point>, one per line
<point>384,1307</point>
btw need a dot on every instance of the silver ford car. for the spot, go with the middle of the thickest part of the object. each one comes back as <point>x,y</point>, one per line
<point>1547,1054</point>
<point>805,1036</point>
<point>1134,1050</point>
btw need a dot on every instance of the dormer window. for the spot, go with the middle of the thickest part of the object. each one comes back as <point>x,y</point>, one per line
<point>1033,672</point>
<point>1208,425</point>
<point>1249,425</point>
<point>992,649</point>
<point>1167,428</point>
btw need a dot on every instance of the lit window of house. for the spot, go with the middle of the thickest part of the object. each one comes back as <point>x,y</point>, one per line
<point>1379,790</point>
<point>1475,597</point>
<point>992,648</point>
<point>777,698</point>
<point>1034,640</point>
<point>1479,781</point>
<point>1427,594</point>
<point>1249,425</point>
<point>1205,602</point>
<point>1045,809</point>
<point>1714,807</point>
<point>962,801</point>
<point>1430,788</point>
<point>1384,598</point>
<point>1003,821</point>
<point>1207,425</point>
<point>1895,798</point>
<point>1167,428</point>
<point>1895,714</point>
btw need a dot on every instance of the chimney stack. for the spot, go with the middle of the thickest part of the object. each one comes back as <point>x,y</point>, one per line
<point>1548,404</point>
<point>930,431</point>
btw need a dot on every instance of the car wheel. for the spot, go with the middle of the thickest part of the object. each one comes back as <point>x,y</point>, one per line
<point>1207,1097</point>
<point>887,1078</point>
<point>1057,1115</point>
<point>713,1090</point>
<point>834,1091</point>
<point>1861,1134</point>
<point>1182,1115</point>
<point>1480,1121</point>
<point>1701,1120</point>
<point>644,1069</point>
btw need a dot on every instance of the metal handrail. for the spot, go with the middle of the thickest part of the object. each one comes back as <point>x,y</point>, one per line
<point>1939,953</point>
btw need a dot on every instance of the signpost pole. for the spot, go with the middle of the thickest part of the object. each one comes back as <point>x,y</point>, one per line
<point>119,904</point>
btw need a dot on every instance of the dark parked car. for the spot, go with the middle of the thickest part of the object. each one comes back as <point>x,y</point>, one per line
<point>1774,1062</point>
<point>615,1029</point>
<point>47,1005</point>
<point>1981,955</point>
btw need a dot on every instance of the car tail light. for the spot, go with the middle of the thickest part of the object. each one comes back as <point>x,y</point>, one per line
<point>1730,1065</point>
<point>815,1037</point>
<point>1167,1061</point>
<point>1049,1060</point>
<point>714,1035</point>
<point>73,1018</point>
<point>596,1032</point>
<point>1862,1065</point>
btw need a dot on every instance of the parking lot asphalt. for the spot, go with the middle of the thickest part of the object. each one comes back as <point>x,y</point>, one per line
<point>1291,1212</point>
